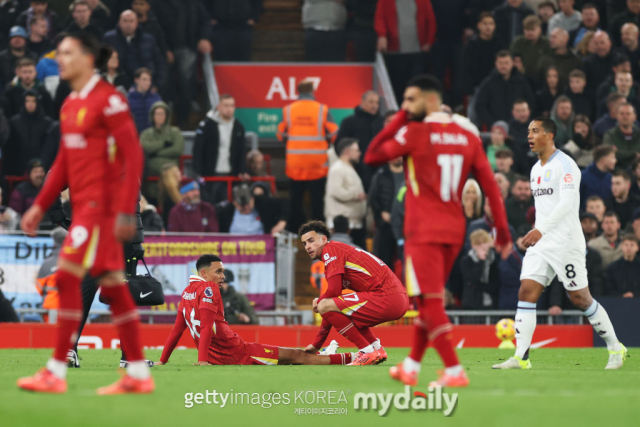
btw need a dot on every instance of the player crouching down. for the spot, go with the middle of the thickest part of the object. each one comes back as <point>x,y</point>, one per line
<point>201,310</point>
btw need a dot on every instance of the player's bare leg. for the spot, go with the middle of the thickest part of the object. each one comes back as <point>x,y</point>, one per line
<point>52,379</point>
<point>601,323</point>
<point>125,316</point>
<point>292,356</point>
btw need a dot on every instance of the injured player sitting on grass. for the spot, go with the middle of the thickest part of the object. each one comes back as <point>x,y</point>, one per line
<point>201,310</point>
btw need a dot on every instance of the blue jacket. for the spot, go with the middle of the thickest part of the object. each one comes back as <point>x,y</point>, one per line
<point>594,183</point>
<point>509,282</point>
<point>140,104</point>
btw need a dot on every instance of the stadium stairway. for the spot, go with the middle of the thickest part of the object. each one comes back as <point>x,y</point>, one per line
<point>278,35</point>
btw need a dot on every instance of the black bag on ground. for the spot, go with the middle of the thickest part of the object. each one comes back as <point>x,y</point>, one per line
<point>145,290</point>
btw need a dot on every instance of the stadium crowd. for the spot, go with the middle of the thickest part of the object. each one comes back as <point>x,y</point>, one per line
<point>503,63</point>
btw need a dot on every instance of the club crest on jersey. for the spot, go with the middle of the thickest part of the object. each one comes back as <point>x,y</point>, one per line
<point>208,292</point>
<point>116,105</point>
<point>547,176</point>
<point>568,178</point>
<point>326,257</point>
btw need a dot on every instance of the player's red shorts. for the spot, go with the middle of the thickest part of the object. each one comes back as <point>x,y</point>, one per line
<point>372,308</point>
<point>427,268</point>
<point>91,242</point>
<point>260,354</point>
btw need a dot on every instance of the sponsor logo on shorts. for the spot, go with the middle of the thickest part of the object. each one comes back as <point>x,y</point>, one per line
<point>542,192</point>
<point>208,292</point>
<point>189,296</point>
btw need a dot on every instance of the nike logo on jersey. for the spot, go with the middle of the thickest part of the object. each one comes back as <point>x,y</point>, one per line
<point>145,295</point>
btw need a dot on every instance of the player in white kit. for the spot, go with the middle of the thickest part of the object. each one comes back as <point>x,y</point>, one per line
<point>556,246</point>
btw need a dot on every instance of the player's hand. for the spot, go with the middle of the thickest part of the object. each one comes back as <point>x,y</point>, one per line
<point>426,47</point>
<point>31,219</point>
<point>310,349</point>
<point>170,58</point>
<point>315,305</point>
<point>386,216</point>
<point>201,363</point>
<point>382,44</point>
<point>505,250</point>
<point>126,227</point>
<point>158,363</point>
<point>204,47</point>
<point>555,310</point>
<point>628,295</point>
<point>531,238</point>
<point>362,196</point>
<point>244,318</point>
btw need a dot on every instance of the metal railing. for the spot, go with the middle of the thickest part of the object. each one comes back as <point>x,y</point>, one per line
<point>382,84</point>
<point>286,249</point>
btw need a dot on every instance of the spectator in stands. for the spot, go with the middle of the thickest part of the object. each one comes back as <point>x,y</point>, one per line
<point>162,144</point>
<point>485,223</point>
<point>324,23</point>
<point>608,244</point>
<point>233,22</point>
<point>148,23</point>
<point>631,14</point>
<point>548,94</point>
<point>136,48</point>
<point>384,187</point>
<point>518,205</point>
<point>255,163</point>
<point>630,47</point>
<point>590,22</point>
<point>623,86</point>
<point>345,193</point>
<point>509,281</point>
<point>531,46</point>
<point>151,221</point>
<point>406,31</point>
<point>519,123</point>
<point>101,14</point>
<point>47,69</point>
<point>192,215</point>
<point>307,125</point>
<point>621,63</point>
<point>81,14</point>
<point>635,223</point>
<point>504,164</point>
<point>9,12</point>
<point>499,90</point>
<point>9,219</point>
<point>39,42</point>
<point>114,74</point>
<point>247,214</point>
<point>497,141</point>
<point>546,10</point>
<point>624,274</point>
<point>509,17</point>
<point>608,121</point>
<point>219,148</point>
<point>363,125</point>
<point>596,178</point>
<point>25,193</point>
<point>635,175</point>
<point>187,27</point>
<point>142,97</point>
<point>596,206</point>
<point>17,50</point>
<point>563,58</point>
<point>341,231</point>
<point>625,136</point>
<point>563,115</point>
<point>237,308</point>
<point>27,136</point>
<point>598,65</point>
<point>567,18</point>
<point>583,141</point>
<point>503,183</point>
<point>480,273</point>
<point>586,46</point>
<point>13,97</point>
<point>478,56</point>
<point>622,202</point>
<point>472,200</point>
<point>590,226</point>
<point>40,8</point>
<point>582,102</point>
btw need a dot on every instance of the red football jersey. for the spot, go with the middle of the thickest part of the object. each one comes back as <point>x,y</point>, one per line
<point>438,156</point>
<point>97,136</point>
<point>362,271</point>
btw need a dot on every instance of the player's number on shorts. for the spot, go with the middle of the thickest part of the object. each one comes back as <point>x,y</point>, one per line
<point>351,297</point>
<point>450,172</point>
<point>570,271</point>
<point>78,235</point>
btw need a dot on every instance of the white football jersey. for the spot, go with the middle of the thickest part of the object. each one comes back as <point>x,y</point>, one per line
<point>556,189</point>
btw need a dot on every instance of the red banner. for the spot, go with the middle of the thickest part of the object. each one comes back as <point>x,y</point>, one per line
<point>274,86</point>
<point>37,335</point>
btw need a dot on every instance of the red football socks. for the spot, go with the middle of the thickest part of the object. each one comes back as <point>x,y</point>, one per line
<point>367,334</point>
<point>125,317</point>
<point>340,359</point>
<point>439,330</point>
<point>346,328</point>
<point>69,313</point>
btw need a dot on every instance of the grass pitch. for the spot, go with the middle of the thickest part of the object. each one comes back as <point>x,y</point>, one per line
<point>565,385</point>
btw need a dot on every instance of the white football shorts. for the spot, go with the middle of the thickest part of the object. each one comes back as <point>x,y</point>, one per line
<point>570,267</point>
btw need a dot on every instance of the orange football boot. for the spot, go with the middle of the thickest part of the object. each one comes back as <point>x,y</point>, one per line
<point>399,374</point>
<point>362,358</point>
<point>43,382</point>
<point>128,385</point>
<point>460,380</point>
<point>383,354</point>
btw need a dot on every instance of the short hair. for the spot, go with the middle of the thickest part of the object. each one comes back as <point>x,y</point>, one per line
<point>629,237</point>
<point>548,125</point>
<point>143,70</point>
<point>602,151</point>
<point>344,143</point>
<point>520,178</point>
<point>547,4</point>
<point>479,237</point>
<point>305,86</point>
<point>206,260</point>
<point>520,101</point>
<point>25,62</point>
<point>369,92</point>
<point>579,74</point>
<point>563,98</point>
<point>503,54</point>
<point>531,22</point>
<point>611,214</point>
<point>614,97</point>
<point>595,198</point>
<point>486,15</point>
<point>589,6</point>
<point>627,104</point>
<point>621,173</point>
<point>226,96</point>
<point>318,226</point>
<point>35,18</point>
<point>504,153</point>
<point>426,83</point>
<point>341,224</point>
<point>77,3</point>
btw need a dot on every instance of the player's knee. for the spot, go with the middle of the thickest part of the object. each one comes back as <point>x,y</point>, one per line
<point>326,305</point>
<point>582,300</point>
<point>528,294</point>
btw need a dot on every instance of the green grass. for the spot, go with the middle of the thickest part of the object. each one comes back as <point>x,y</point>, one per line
<point>565,385</point>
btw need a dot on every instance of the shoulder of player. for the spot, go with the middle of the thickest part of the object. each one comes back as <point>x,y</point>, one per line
<point>334,249</point>
<point>564,164</point>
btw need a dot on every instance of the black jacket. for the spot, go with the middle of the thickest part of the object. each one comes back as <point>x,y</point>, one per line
<point>517,215</point>
<point>235,12</point>
<point>582,104</point>
<point>271,210</point>
<point>496,96</point>
<point>503,15</point>
<point>382,193</point>
<point>8,64</point>
<point>624,276</point>
<point>9,12</point>
<point>477,284</point>
<point>152,26</point>
<point>92,29</point>
<point>544,101</point>
<point>617,21</point>
<point>13,98</point>
<point>51,145</point>
<point>607,86</point>
<point>205,148</point>
<point>4,128</point>
<point>197,18</point>
<point>597,70</point>
<point>478,60</point>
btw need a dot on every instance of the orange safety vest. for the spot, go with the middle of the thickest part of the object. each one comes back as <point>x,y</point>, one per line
<point>48,289</point>
<point>305,126</point>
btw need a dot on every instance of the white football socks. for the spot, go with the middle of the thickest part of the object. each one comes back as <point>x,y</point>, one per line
<point>410,365</point>
<point>57,368</point>
<point>367,349</point>
<point>376,344</point>
<point>601,323</point>
<point>138,370</point>
<point>525,325</point>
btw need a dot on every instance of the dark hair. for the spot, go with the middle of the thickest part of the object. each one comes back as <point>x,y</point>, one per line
<point>589,6</point>
<point>547,4</point>
<point>206,260</point>
<point>531,22</point>
<point>341,224</point>
<point>318,226</point>
<point>520,178</point>
<point>305,86</point>
<point>611,214</point>
<point>629,237</point>
<point>548,125</point>
<point>485,15</point>
<point>614,97</point>
<point>578,73</point>
<point>25,62</point>
<point>504,153</point>
<point>78,3</point>
<point>594,198</point>
<point>225,96</point>
<point>520,101</point>
<point>91,46</point>
<point>345,143</point>
<point>143,70</point>
<point>627,104</point>
<point>503,54</point>
<point>602,151</point>
<point>426,83</point>
<point>621,173</point>
<point>35,18</point>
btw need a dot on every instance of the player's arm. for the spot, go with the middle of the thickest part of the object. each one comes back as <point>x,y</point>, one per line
<point>334,289</point>
<point>178,328</point>
<point>208,309</point>
<point>390,143</point>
